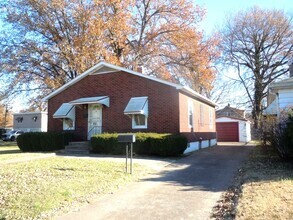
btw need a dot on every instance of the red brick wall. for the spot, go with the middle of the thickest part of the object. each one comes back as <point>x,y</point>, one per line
<point>163,103</point>
<point>199,130</point>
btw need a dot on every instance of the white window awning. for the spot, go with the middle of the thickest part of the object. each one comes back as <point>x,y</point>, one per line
<point>104,100</point>
<point>66,110</point>
<point>137,105</point>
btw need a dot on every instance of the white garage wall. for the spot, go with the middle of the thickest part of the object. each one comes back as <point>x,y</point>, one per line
<point>243,126</point>
<point>248,131</point>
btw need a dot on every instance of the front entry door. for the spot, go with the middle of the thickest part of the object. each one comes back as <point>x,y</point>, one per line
<point>94,119</point>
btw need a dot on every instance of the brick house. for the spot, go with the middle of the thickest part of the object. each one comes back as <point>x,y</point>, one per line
<point>109,98</point>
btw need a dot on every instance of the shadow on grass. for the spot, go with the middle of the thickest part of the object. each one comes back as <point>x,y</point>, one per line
<point>65,169</point>
<point>266,165</point>
<point>7,144</point>
<point>9,152</point>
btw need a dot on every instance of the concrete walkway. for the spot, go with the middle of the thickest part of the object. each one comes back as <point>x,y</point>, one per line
<point>185,189</point>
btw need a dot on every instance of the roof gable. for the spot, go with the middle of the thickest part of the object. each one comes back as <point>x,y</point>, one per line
<point>230,112</point>
<point>104,68</point>
<point>283,84</point>
<point>235,118</point>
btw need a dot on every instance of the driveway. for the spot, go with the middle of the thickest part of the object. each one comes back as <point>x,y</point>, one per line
<point>185,189</point>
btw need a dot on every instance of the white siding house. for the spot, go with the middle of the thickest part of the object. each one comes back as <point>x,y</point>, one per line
<point>280,97</point>
<point>30,121</point>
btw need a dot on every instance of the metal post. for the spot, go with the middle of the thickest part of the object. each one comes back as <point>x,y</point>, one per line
<point>5,115</point>
<point>128,139</point>
<point>131,147</point>
<point>200,140</point>
<point>126,157</point>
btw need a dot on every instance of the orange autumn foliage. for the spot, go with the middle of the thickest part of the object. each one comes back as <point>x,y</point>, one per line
<point>63,38</point>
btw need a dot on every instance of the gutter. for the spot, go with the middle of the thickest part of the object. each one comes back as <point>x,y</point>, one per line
<point>197,95</point>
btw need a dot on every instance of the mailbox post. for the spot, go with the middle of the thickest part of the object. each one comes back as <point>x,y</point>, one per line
<point>129,139</point>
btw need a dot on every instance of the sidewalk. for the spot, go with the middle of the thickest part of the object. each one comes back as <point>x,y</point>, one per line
<point>185,189</point>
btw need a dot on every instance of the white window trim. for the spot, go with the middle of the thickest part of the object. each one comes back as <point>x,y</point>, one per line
<point>134,126</point>
<point>64,125</point>
<point>211,119</point>
<point>190,110</point>
<point>201,113</point>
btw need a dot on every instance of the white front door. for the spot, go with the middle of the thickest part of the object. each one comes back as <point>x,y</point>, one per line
<point>94,119</point>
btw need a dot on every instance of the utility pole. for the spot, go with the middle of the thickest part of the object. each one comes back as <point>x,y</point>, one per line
<point>5,115</point>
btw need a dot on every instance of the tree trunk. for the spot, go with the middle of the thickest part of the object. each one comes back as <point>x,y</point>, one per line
<point>256,112</point>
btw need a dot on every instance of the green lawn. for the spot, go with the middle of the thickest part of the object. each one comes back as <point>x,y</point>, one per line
<point>42,188</point>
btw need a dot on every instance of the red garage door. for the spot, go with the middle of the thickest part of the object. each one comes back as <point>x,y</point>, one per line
<point>227,131</point>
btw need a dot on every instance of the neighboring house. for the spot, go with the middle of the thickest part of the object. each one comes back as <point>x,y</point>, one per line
<point>109,98</point>
<point>232,126</point>
<point>30,121</point>
<point>280,96</point>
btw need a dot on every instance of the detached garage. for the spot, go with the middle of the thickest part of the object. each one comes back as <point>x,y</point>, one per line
<point>227,131</point>
<point>232,126</point>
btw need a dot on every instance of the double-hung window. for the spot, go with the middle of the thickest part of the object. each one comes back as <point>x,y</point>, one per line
<point>190,114</point>
<point>201,112</point>
<point>66,112</point>
<point>211,116</point>
<point>139,121</point>
<point>137,109</point>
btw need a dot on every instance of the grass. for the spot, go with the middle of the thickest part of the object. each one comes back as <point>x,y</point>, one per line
<point>267,191</point>
<point>44,188</point>
<point>262,189</point>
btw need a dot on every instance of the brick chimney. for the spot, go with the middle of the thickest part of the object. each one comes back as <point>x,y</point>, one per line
<point>139,69</point>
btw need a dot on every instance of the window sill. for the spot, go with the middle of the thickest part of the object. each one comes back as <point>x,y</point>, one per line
<point>139,127</point>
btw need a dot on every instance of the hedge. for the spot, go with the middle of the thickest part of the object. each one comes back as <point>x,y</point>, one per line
<point>146,144</point>
<point>282,138</point>
<point>43,141</point>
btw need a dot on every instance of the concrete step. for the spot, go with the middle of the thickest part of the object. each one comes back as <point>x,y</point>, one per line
<point>77,148</point>
<point>79,143</point>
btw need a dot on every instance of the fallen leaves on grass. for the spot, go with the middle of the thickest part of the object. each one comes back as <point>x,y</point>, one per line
<point>226,206</point>
<point>38,189</point>
<point>262,189</point>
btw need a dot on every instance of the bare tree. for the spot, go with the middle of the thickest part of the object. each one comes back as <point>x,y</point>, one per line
<point>48,43</point>
<point>258,43</point>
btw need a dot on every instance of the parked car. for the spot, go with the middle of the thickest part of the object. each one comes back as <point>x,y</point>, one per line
<point>4,130</point>
<point>11,135</point>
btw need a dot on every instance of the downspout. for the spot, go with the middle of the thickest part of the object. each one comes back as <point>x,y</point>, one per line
<point>277,102</point>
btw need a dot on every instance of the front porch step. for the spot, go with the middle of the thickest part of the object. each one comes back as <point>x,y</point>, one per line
<point>77,148</point>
